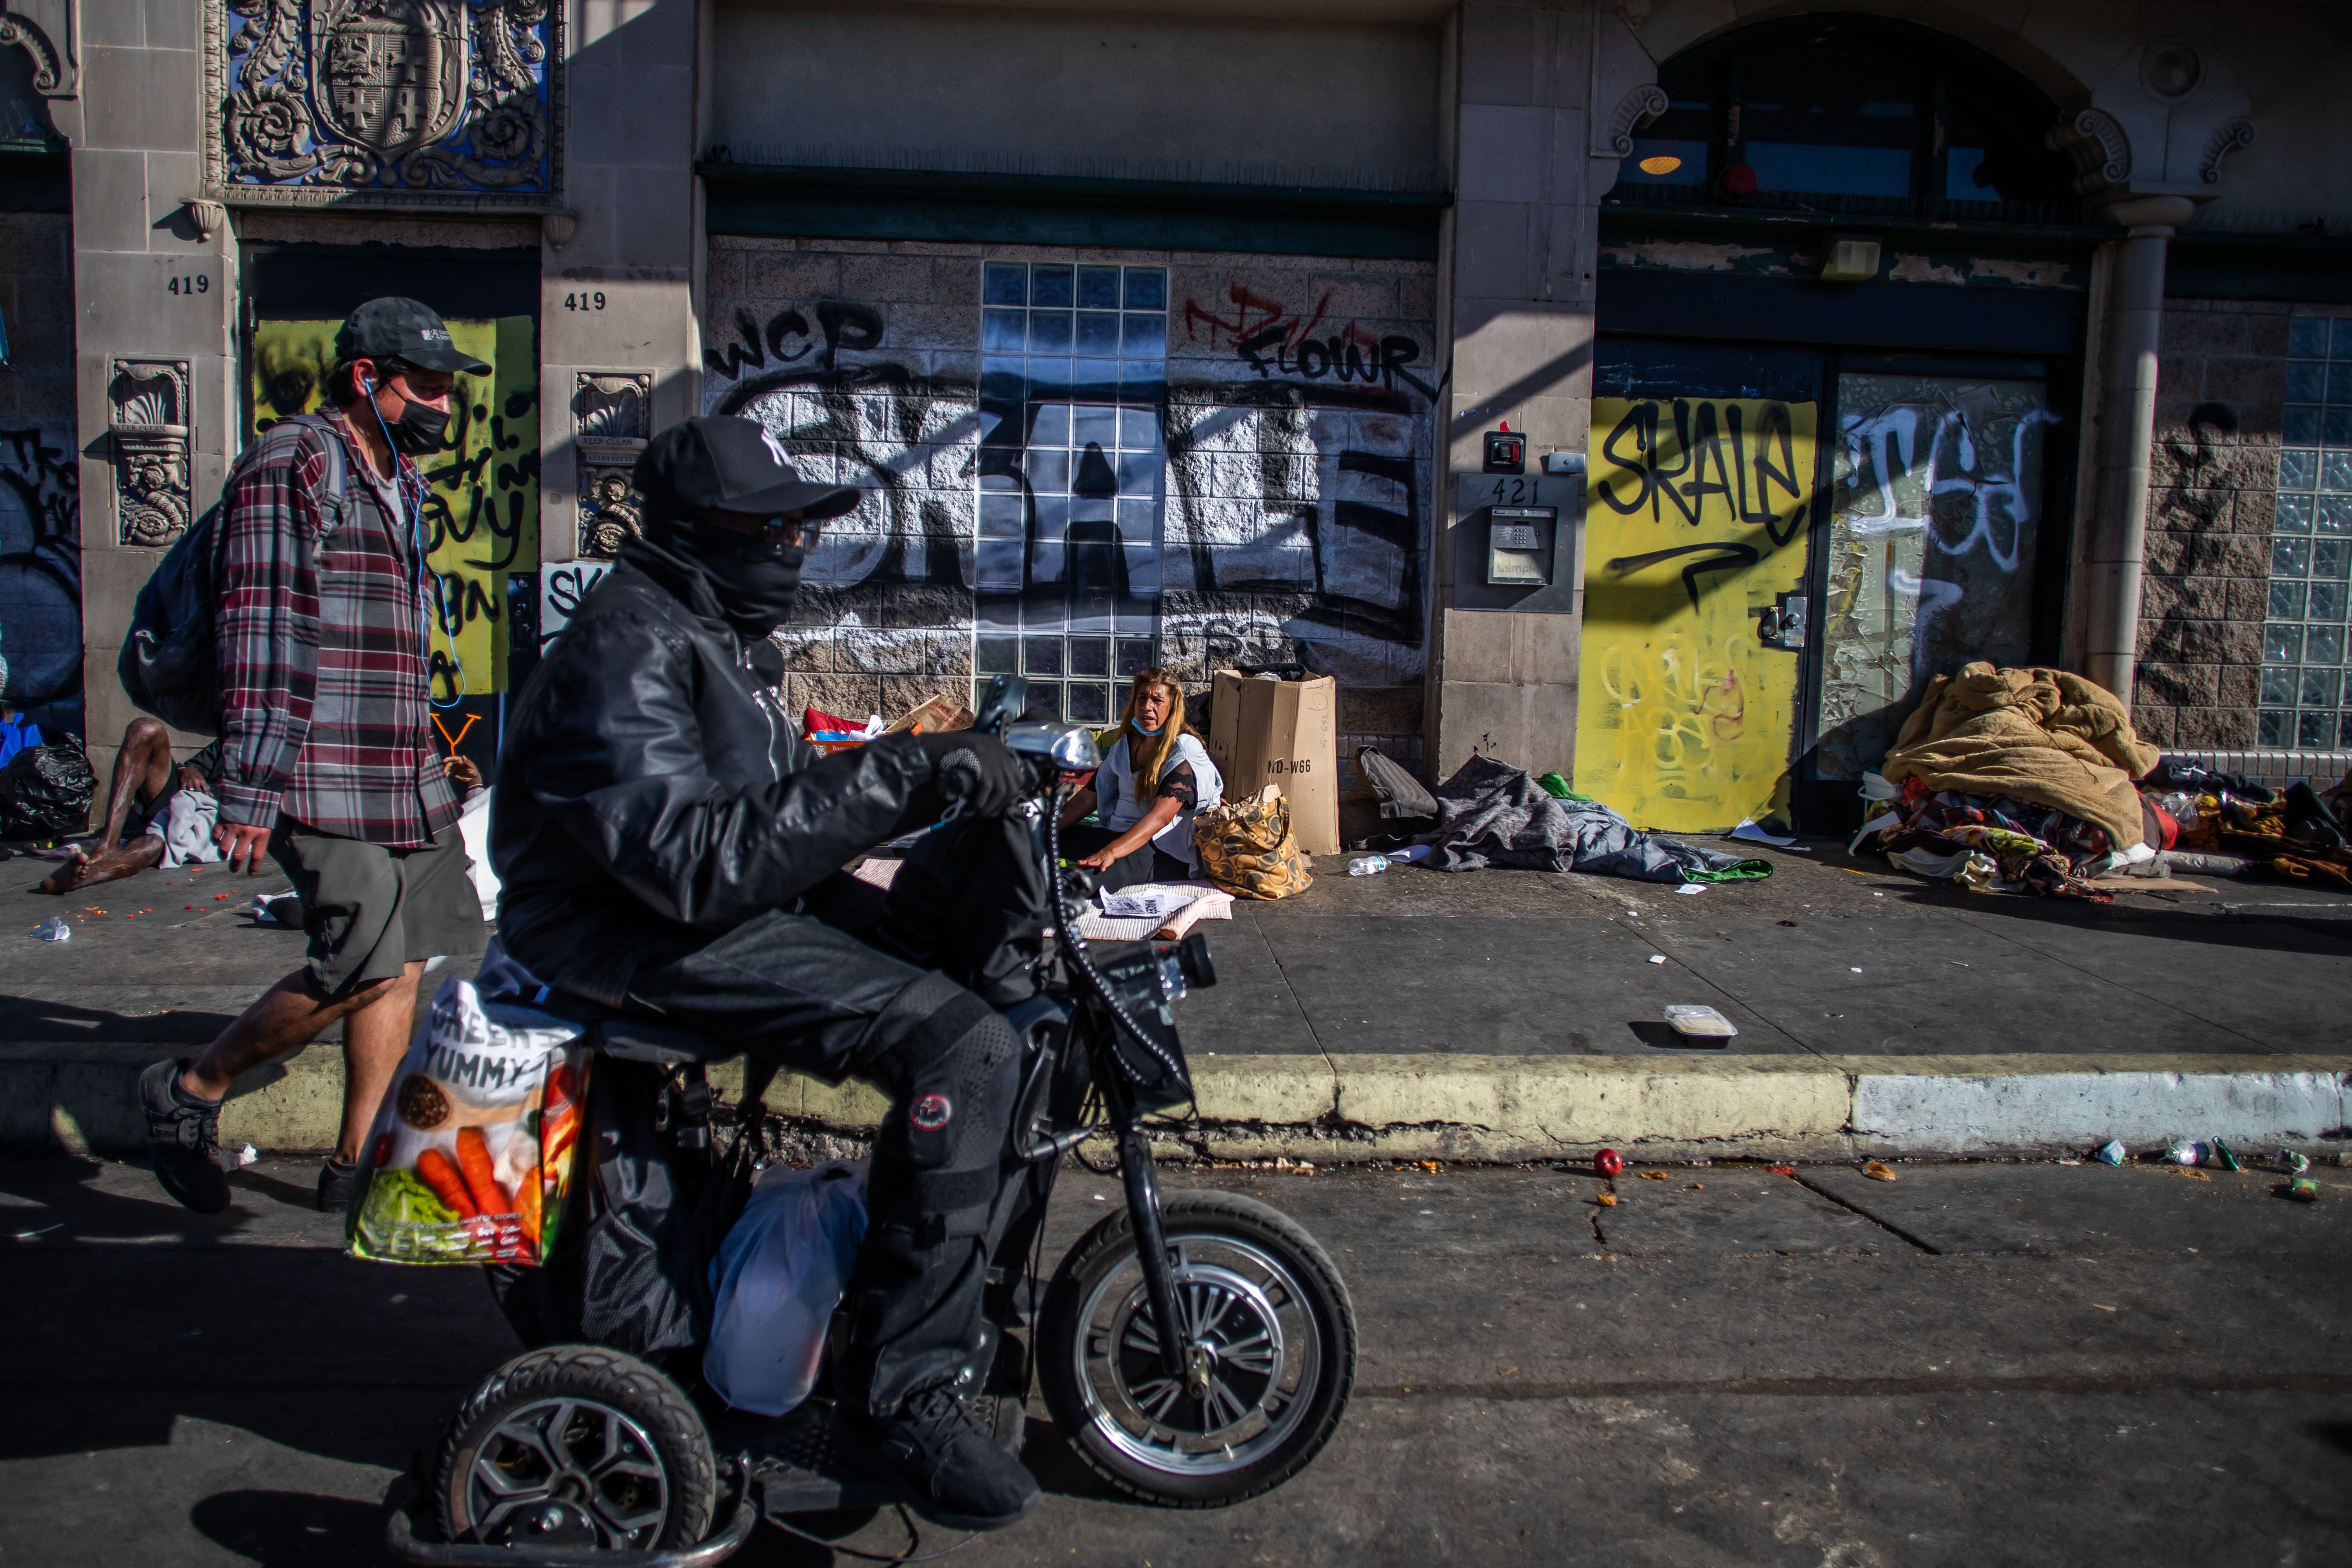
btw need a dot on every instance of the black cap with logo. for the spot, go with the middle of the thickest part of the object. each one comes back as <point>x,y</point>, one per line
<point>721,464</point>
<point>393,327</point>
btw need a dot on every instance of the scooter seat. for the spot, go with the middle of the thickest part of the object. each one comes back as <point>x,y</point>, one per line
<point>638,1036</point>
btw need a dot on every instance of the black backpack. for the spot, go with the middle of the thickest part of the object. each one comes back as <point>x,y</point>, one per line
<point>169,664</point>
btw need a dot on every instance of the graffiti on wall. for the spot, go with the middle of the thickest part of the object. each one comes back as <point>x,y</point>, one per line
<point>1933,517</point>
<point>1286,477</point>
<point>1276,340</point>
<point>1695,525</point>
<point>40,571</point>
<point>481,514</point>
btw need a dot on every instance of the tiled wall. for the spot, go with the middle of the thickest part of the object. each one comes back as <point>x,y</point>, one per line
<point>1278,506</point>
<point>2243,603</point>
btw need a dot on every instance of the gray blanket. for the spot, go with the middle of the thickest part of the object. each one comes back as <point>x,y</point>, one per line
<point>1491,814</point>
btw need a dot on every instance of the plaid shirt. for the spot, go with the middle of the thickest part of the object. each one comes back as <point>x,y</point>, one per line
<point>325,701</point>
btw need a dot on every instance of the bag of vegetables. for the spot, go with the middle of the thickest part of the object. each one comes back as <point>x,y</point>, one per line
<point>472,1151</point>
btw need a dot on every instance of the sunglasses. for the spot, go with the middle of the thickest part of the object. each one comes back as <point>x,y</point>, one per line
<point>777,534</point>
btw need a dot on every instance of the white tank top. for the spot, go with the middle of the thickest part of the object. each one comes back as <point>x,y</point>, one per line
<point>1115,794</point>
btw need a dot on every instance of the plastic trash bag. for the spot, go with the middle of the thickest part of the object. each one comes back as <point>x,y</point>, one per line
<point>779,1276</point>
<point>45,791</point>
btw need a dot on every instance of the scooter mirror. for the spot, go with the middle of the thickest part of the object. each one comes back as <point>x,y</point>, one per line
<point>1070,748</point>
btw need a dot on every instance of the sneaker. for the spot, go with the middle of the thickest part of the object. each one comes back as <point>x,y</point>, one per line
<point>952,1471</point>
<point>337,1181</point>
<point>184,1139</point>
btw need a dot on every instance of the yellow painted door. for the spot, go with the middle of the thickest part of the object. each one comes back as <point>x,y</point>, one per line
<point>1695,525</point>
<point>481,517</point>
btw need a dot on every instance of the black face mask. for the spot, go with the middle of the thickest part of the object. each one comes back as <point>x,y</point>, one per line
<point>753,581</point>
<point>419,428</point>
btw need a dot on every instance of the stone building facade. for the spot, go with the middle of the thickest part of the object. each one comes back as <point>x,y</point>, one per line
<point>1843,345</point>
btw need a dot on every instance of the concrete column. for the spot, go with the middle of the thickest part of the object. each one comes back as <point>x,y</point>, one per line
<point>150,283</point>
<point>2112,554</point>
<point>1529,167</point>
<point>617,295</point>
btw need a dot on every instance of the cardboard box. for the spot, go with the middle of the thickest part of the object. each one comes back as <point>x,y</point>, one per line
<point>1281,732</point>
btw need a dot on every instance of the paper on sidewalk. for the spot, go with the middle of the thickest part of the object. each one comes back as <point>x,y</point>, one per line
<point>1755,834</point>
<point>1200,901</point>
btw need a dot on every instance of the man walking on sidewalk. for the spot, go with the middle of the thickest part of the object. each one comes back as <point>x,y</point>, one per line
<point>326,756</point>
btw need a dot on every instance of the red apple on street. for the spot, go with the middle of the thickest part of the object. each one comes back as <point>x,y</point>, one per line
<point>1609,1162</point>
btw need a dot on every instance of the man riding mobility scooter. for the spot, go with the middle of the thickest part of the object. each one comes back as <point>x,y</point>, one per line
<point>671,857</point>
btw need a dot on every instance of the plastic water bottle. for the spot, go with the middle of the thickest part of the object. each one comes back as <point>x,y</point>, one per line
<point>1368,866</point>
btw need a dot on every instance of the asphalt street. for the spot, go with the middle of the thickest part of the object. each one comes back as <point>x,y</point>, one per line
<point>1976,1364</point>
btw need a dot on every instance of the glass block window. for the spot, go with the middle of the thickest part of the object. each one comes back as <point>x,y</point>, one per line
<point>2306,702</point>
<point>1073,366</point>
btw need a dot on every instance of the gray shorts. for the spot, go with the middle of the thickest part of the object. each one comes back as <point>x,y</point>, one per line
<point>370,911</point>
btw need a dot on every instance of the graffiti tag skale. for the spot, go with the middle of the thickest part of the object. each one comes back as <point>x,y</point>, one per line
<point>1701,438</point>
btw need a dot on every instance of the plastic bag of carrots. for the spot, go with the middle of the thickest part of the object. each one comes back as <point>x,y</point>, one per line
<point>472,1151</point>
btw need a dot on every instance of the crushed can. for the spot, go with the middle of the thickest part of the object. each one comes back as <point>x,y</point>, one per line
<point>2111,1153</point>
<point>2293,1164</point>
<point>2188,1151</point>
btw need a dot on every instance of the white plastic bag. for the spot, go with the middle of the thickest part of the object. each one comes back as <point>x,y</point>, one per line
<point>776,1280</point>
<point>474,827</point>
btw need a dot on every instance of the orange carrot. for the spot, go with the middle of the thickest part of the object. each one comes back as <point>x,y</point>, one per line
<point>474,1160</point>
<point>527,1206</point>
<point>433,1169</point>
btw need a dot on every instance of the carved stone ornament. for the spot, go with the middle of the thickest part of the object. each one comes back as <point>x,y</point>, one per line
<point>612,414</point>
<point>147,415</point>
<point>2227,138</point>
<point>1635,109</point>
<point>50,75</point>
<point>407,103</point>
<point>2096,141</point>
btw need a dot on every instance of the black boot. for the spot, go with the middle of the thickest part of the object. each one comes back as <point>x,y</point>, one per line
<point>944,1460</point>
<point>2307,817</point>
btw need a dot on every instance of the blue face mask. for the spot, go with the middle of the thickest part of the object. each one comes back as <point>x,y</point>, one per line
<point>1140,730</point>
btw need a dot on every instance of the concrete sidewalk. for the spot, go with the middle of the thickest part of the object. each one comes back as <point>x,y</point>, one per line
<point>1500,1016</point>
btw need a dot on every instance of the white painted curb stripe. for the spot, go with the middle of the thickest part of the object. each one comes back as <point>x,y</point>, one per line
<point>1956,1114</point>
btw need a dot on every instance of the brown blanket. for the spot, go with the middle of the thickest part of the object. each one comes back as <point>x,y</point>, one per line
<point>2040,735</point>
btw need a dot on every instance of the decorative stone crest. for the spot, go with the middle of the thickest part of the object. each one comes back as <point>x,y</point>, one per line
<point>148,402</point>
<point>384,102</point>
<point>612,414</point>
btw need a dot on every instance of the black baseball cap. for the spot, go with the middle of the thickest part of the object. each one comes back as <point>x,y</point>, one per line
<point>393,327</point>
<point>721,464</point>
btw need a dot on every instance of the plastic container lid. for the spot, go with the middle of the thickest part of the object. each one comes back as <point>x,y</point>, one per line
<point>1690,1019</point>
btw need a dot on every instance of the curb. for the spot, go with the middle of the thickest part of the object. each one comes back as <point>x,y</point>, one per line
<point>78,1097</point>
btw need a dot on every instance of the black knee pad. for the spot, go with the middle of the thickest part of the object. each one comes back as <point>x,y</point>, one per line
<point>953,1074</point>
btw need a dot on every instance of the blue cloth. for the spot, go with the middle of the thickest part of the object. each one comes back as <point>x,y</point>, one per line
<point>15,738</point>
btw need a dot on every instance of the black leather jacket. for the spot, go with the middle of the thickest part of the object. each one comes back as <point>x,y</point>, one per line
<point>652,793</point>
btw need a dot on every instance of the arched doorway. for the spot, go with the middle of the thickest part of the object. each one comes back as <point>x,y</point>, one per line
<point>1842,315</point>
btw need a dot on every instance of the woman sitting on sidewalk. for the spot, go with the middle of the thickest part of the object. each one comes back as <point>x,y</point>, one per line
<point>1152,781</point>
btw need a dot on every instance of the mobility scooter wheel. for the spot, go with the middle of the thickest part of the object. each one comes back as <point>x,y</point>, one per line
<point>1276,1335</point>
<point>577,1445</point>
